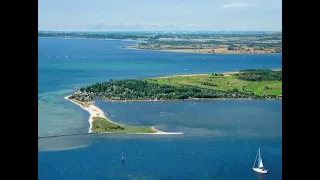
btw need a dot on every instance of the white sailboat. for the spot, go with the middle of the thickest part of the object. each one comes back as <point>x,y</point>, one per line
<point>122,159</point>
<point>260,168</point>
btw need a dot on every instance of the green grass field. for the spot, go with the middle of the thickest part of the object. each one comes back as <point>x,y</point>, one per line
<point>223,83</point>
<point>103,125</point>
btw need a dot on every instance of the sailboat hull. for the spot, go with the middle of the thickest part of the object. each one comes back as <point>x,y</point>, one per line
<point>260,170</point>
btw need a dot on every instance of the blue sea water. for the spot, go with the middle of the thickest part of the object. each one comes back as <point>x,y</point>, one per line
<point>220,138</point>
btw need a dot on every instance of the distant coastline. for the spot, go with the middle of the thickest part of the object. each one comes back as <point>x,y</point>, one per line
<point>192,51</point>
<point>203,43</point>
<point>202,51</point>
<point>106,39</point>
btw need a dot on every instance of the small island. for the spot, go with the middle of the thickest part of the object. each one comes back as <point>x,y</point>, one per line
<point>244,85</point>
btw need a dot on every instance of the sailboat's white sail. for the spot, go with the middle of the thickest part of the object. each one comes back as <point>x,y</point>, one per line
<point>260,163</point>
<point>260,168</point>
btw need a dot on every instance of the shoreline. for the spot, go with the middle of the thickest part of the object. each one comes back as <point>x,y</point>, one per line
<point>186,51</point>
<point>192,99</point>
<point>192,75</point>
<point>169,50</point>
<point>107,39</point>
<point>95,111</point>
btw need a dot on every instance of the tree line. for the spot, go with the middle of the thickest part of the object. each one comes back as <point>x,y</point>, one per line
<point>260,75</point>
<point>140,89</point>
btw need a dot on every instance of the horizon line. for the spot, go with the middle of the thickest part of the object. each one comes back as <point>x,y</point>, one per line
<point>164,30</point>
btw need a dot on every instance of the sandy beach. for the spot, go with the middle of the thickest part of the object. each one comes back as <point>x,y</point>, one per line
<point>94,111</point>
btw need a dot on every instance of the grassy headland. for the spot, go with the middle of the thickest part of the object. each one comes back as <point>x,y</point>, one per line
<point>257,84</point>
<point>103,125</point>
<point>245,84</point>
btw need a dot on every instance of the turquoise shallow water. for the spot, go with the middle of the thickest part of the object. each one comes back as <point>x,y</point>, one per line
<point>220,140</point>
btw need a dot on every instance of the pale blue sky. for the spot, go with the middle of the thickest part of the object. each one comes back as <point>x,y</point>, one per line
<point>101,15</point>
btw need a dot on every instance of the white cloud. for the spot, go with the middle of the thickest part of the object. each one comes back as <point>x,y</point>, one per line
<point>234,5</point>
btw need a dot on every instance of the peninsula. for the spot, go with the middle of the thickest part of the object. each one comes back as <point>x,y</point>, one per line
<point>244,84</point>
<point>99,123</point>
